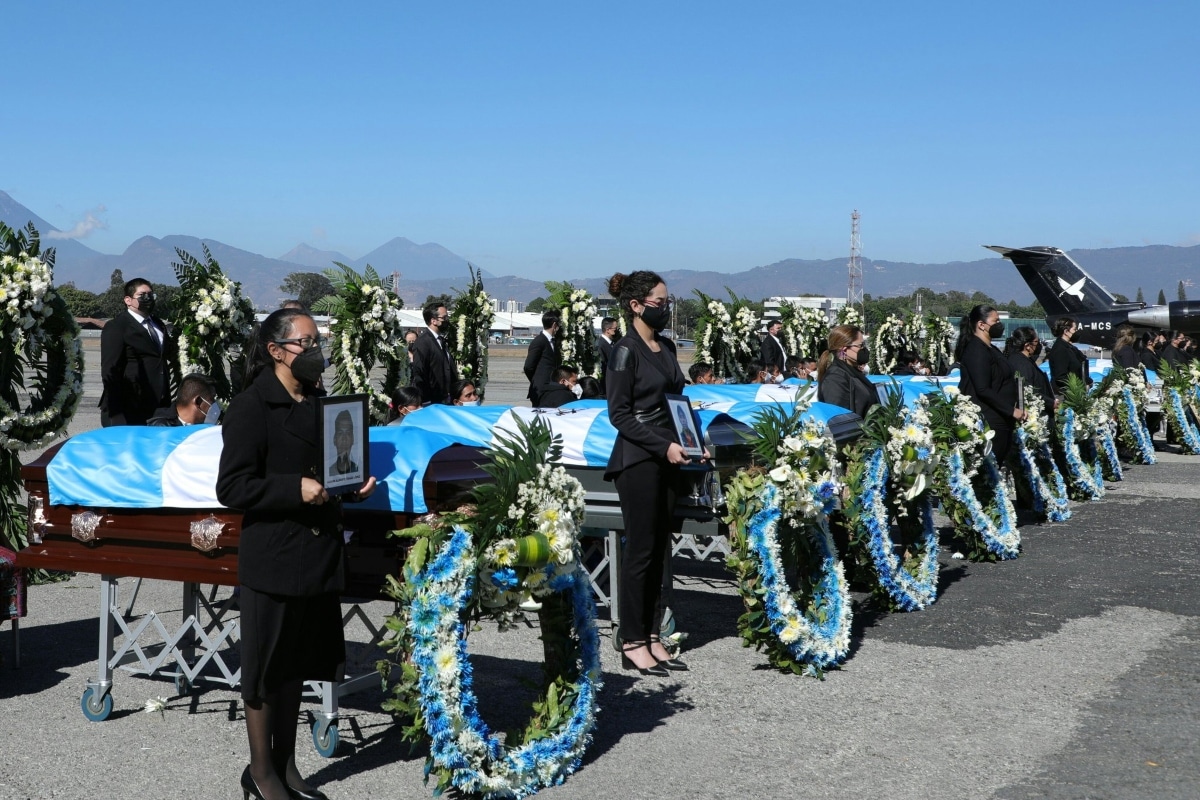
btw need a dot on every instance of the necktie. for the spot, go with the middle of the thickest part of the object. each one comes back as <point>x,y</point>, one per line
<point>150,329</point>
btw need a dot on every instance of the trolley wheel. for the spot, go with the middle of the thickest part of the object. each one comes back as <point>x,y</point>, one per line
<point>96,710</point>
<point>325,738</point>
<point>616,638</point>
<point>182,684</point>
<point>668,623</point>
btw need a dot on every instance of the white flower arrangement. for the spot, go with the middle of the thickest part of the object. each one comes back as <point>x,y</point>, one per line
<point>911,454</point>
<point>805,330</point>
<point>39,330</point>
<point>727,339</point>
<point>470,335</point>
<point>212,319</point>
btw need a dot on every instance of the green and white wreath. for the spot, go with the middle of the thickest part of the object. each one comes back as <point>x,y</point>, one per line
<point>519,537</point>
<point>805,330</point>
<point>471,332</point>
<point>41,359</point>
<point>577,309</point>
<point>365,330</point>
<point>1043,481</point>
<point>213,320</point>
<point>778,516</point>
<point>727,337</point>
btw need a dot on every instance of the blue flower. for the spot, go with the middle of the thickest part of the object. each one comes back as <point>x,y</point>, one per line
<point>505,579</point>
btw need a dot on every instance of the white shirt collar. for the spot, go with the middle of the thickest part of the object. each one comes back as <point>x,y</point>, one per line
<point>141,318</point>
<point>548,335</point>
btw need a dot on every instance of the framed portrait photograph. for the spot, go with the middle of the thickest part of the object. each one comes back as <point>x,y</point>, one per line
<point>342,432</point>
<point>687,432</point>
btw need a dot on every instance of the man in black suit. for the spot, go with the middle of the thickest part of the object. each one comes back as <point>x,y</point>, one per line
<point>773,354</point>
<point>543,356</point>
<point>135,360</point>
<point>604,345</point>
<point>433,368</point>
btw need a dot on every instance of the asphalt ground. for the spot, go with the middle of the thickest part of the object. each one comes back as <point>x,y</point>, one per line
<point>1070,672</point>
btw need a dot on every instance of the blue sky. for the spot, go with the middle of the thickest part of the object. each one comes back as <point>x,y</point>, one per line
<point>555,140</point>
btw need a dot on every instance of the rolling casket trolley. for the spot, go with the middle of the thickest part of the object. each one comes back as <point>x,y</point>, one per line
<point>198,547</point>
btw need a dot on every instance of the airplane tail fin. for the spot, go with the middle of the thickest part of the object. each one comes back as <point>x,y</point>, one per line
<point>1058,283</point>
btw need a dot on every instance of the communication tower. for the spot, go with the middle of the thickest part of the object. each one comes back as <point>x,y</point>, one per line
<point>854,289</point>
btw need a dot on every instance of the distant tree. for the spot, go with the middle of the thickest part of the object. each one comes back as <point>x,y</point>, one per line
<point>441,299</point>
<point>81,302</point>
<point>112,299</point>
<point>1182,292</point>
<point>168,295</point>
<point>307,287</point>
<point>1162,297</point>
<point>1141,298</point>
<point>536,306</point>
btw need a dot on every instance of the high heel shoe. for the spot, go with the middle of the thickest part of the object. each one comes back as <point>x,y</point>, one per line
<point>249,787</point>
<point>656,671</point>
<point>305,794</point>
<point>668,663</point>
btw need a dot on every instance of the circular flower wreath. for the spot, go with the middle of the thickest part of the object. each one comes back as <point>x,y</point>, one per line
<point>804,630</point>
<point>462,746</point>
<point>213,319</point>
<point>365,328</point>
<point>577,310</point>
<point>40,337</point>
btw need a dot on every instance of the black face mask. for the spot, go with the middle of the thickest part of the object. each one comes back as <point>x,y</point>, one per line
<point>1037,351</point>
<point>308,366</point>
<point>996,331</point>
<point>146,306</point>
<point>656,317</point>
<point>864,356</point>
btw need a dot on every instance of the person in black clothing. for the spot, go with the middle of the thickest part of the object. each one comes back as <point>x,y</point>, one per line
<point>136,352</point>
<point>1155,342</point>
<point>1123,352</point>
<point>1172,352</point>
<point>840,377</point>
<point>543,356</point>
<point>290,560</point>
<point>197,396</point>
<point>771,350</point>
<point>590,389</point>
<point>987,377</point>
<point>1065,358</point>
<point>642,371</point>
<point>433,367</point>
<point>1022,350</point>
<point>563,388</point>
<point>604,346</point>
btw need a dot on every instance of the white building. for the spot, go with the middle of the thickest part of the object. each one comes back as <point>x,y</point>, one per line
<point>830,305</point>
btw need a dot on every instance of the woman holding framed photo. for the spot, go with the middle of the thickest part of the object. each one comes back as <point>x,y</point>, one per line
<point>642,371</point>
<point>290,550</point>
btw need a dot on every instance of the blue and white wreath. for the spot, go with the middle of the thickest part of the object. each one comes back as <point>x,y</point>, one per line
<point>1177,418</point>
<point>460,741</point>
<point>1046,483</point>
<point>1087,479</point>
<point>1132,421</point>
<point>1001,538</point>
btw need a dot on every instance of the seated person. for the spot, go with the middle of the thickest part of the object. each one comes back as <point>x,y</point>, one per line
<point>701,373</point>
<point>405,400</point>
<point>563,388</point>
<point>907,363</point>
<point>463,393</point>
<point>756,372</point>
<point>590,388</point>
<point>197,399</point>
<point>798,367</point>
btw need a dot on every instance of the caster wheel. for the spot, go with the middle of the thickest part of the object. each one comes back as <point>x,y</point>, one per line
<point>325,738</point>
<point>95,710</point>
<point>668,623</point>
<point>182,684</point>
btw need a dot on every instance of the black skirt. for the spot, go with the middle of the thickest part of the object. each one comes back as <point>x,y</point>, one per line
<point>289,638</point>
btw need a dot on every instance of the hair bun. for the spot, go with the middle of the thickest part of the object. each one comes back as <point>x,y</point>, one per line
<point>615,283</point>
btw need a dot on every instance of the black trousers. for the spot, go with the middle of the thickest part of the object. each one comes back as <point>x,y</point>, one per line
<point>647,491</point>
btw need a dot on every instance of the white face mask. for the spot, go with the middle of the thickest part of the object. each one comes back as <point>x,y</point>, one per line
<point>577,390</point>
<point>475,402</point>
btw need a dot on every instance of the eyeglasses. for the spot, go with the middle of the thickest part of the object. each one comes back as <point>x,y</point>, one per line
<point>856,344</point>
<point>144,296</point>
<point>305,342</point>
<point>657,303</point>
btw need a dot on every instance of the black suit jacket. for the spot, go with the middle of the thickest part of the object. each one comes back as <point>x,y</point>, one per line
<point>772,353</point>
<point>553,395</point>
<point>604,348</point>
<point>989,380</point>
<point>845,386</point>
<point>1126,356</point>
<point>540,363</point>
<point>1149,359</point>
<point>135,374</point>
<point>638,382</point>
<point>1039,380</point>
<point>1173,356</point>
<point>270,443</point>
<point>432,368</point>
<point>1065,359</point>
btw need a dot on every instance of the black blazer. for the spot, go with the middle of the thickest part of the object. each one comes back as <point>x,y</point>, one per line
<point>638,380</point>
<point>772,353</point>
<point>553,395</point>
<point>989,380</point>
<point>1150,359</point>
<point>270,443</point>
<point>432,368</point>
<point>540,363</point>
<point>845,386</point>
<point>1065,359</point>
<point>1039,380</point>
<point>135,374</point>
<point>1173,356</point>
<point>604,350</point>
<point>1125,356</point>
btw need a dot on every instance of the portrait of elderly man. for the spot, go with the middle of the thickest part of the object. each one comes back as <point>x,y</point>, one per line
<point>343,443</point>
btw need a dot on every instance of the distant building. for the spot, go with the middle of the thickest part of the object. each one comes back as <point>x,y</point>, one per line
<point>830,305</point>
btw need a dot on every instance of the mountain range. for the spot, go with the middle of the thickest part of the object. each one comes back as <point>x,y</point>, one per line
<point>432,269</point>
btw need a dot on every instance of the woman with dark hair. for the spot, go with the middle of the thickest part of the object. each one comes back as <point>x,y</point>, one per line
<point>987,377</point>
<point>1065,358</point>
<point>1124,352</point>
<point>590,388</point>
<point>840,377</point>
<point>462,393</point>
<point>1022,350</point>
<point>290,550</point>
<point>405,400</point>
<point>644,463</point>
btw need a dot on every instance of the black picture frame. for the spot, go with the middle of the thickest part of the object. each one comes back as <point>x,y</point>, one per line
<point>687,429</point>
<point>343,475</point>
